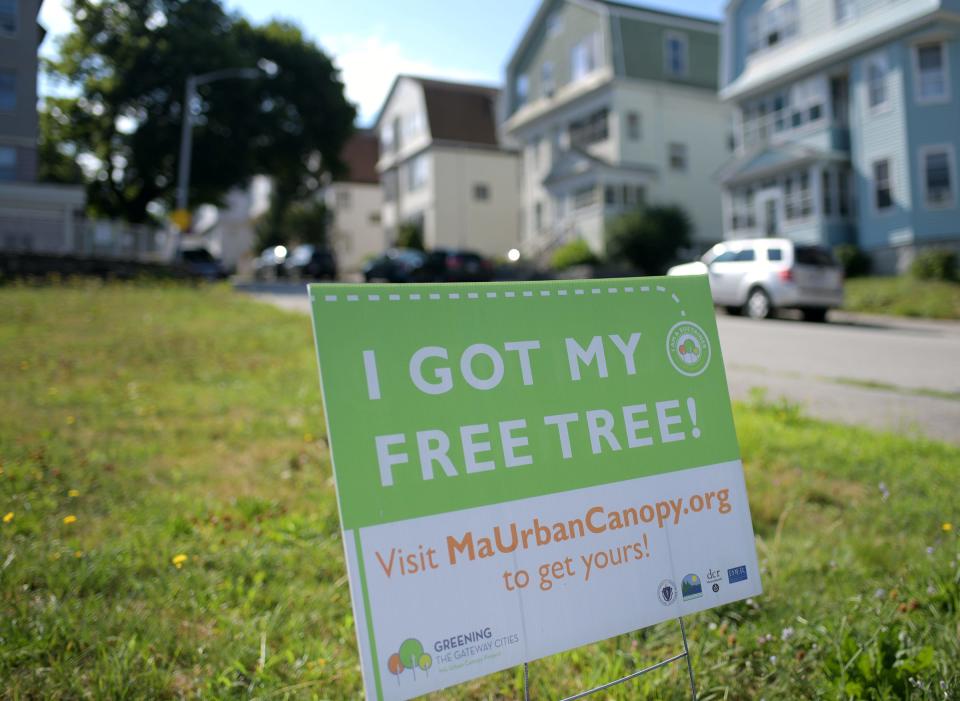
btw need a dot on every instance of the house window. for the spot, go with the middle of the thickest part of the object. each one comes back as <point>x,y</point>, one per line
<point>374,217</point>
<point>930,72</point>
<point>8,16</point>
<point>676,54</point>
<point>417,173</point>
<point>397,134</point>
<point>538,216</point>
<point>843,10</point>
<point>882,185</point>
<point>877,81</point>
<point>584,197</point>
<point>481,192</point>
<point>610,195</point>
<point>797,199</point>
<point>677,155</point>
<point>554,24</point>
<point>633,126</point>
<point>546,79</point>
<point>522,88</point>
<point>585,57</point>
<point>937,165</point>
<point>8,90</point>
<point>591,129</point>
<point>776,22</point>
<point>8,163</point>
<point>843,192</point>
<point>343,199</point>
<point>806,100</point>
<point>389,181</point>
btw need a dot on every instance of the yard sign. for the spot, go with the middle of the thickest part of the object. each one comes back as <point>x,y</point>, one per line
<point>526,468</point>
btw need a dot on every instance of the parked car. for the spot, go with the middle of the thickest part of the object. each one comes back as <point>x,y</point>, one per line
<point>451,265</point>
<point>395,265</point>
<point>759,276</point>
<point>199,262</point>
<point>309,262</point>
<point>269,264</point>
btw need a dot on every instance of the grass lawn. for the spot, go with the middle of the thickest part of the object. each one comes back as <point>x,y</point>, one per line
<point>903,296</point>
<point>171,528</point>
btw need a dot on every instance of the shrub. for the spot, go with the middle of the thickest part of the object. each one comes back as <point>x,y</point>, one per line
<point>410,235</point>
<point>855,262</point>
<point>573,253</point>
<point>935,264</point>
<point>649,238</point>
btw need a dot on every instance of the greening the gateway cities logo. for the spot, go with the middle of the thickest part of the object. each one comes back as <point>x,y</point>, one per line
<point>688,348</point>
<point>410,656</point>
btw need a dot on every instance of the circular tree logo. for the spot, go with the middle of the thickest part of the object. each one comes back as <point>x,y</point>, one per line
<point>410,657</point>
<point>688,348</point>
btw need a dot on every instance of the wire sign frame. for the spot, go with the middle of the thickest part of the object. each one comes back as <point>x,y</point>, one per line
<point>633,675</point>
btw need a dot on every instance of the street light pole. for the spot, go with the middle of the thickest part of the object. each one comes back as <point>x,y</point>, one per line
<point>186,129</point>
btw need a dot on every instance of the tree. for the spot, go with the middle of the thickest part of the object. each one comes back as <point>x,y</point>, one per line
<point>649,238</point>
<point>299,222</point>
<point>410,235</point>
<point>129,60</point>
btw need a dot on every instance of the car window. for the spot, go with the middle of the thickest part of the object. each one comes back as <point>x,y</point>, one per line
<point>774,254</point>
<point>747,254</point>
<point>813,255</point>
<point>197,255</point>
<point>725,257</point>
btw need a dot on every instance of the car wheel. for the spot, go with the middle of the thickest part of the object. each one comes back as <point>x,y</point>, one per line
<point>758,304</point>
<point>815,314</point>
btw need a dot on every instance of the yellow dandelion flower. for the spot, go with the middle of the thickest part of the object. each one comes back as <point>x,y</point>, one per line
<point>73,493</point>
<point>178,560</point>
<point>8,517</point>
<point>308,438</point>
<point>947,527</point>
<point>67,520</point>
<point>71,420</point>
<point>321,661</point>
<point>78,554</point>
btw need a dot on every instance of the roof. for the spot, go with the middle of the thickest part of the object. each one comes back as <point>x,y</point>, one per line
<point>774,159</point>
<point>359,158</point>
<point>456,112</point>
<point>574,161</point>
<point>461,113</point>
<point>663,13</point>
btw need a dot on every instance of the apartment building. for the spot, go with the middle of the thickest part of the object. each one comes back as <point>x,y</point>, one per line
<point>33,217</point>
<point>355,200</point>
<point>442,166</point>
<point>614,106</point>
<point>847,123</point>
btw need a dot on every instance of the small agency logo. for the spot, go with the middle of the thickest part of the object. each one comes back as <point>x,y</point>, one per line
<point>667,592</point>
<point>691,587</point>
<point>411,656</point>
<point>688,348</point>
<point>737,574</point>
<point>714,577</point>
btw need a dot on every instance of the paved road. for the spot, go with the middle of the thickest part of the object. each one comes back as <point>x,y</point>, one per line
<point>892,374</point>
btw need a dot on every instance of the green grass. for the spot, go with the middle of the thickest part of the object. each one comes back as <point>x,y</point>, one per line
<point>903,296</point>
<point>188,421</point>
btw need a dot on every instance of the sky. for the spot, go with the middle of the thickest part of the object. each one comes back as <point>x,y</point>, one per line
<point>371,41</point>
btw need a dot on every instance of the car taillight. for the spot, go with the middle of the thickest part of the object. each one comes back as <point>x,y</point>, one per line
<point>786,274</point>
<point>453,262</point>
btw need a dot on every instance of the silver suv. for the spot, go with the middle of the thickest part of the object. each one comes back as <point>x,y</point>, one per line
<point>757,276</point>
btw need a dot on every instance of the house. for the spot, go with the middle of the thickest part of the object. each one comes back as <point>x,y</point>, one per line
<point>847,120</point>
<point>443,169</point>
<point>614,106</point>
<point>33,217</point>
<point>355,201</point>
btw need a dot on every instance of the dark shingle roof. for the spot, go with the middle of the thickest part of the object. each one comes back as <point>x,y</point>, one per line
<point>359,158</point>
<point>460,112</point>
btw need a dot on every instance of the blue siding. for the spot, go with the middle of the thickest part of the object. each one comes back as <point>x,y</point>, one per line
<point>933,125</point>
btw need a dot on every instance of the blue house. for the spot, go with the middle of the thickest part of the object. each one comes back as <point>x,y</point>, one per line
<point>846,123</point>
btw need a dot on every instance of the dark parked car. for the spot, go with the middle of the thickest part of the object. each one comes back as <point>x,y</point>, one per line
<point>450,265</point>
<point>199,262</point>
<point>395,265</point>
<point>309,262</point>
<point>269,264</point>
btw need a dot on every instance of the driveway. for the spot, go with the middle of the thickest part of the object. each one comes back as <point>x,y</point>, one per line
<point>890,374</point>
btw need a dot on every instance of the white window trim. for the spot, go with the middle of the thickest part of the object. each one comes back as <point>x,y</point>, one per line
<point>873,187</point>
<point>685,43</point>
<point>922,152</point>
<point>915,61</point>
<point>887,105</point>
<point>840,21</point>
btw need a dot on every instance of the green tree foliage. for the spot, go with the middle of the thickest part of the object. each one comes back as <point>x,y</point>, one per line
<point>410,235</point>
<point>573,253</point>
<point>649,238</point>
<point>855,262</point>
<point>129,60</point>
<point>305,221</point>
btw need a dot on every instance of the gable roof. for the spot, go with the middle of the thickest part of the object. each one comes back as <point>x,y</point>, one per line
<point>359,158</point>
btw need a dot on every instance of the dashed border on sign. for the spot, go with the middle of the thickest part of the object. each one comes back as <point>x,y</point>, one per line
<point>502,294</point>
